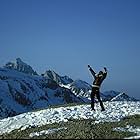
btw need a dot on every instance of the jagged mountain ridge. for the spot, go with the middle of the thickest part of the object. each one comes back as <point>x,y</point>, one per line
<point>57,78</point>
<point>19,65</point>
<point>123,97</point>
<point>82,89</point>
<point>23,90</point>
<point>20,92</point>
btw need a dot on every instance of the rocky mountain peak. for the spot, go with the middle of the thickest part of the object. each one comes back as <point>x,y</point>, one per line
<point>57,78</point>
<point>20,66</point>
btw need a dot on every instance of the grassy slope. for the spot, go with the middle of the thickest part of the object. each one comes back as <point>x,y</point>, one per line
<point>76,129</point>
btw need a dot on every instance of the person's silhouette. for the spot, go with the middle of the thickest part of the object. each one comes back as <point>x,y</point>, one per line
<point>98,79</point>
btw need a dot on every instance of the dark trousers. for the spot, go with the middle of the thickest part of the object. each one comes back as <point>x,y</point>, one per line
<point>96,92</point>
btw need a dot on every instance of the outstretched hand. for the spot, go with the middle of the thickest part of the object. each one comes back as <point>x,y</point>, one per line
<point>105,68</point>
<point>88,66</point>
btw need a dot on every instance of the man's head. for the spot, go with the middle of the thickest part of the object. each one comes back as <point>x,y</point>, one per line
<point>100,74</point>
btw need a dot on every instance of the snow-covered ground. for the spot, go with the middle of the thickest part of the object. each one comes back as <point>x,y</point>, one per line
<point>114,112</point>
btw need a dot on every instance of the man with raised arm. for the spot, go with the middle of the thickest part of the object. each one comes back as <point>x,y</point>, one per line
<point>98,79</point>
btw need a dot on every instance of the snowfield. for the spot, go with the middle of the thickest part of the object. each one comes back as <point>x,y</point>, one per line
<point>114,112</point>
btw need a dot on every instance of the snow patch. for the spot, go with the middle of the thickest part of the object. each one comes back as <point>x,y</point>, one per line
<point>45,132</point>
<point>129,128</point>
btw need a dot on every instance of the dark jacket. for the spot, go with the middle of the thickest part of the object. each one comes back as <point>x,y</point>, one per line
<point>98,79</point>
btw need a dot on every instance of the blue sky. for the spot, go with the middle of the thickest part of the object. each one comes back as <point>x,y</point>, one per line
<point>67,35</point>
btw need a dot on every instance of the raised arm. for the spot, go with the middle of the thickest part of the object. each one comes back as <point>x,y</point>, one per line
<point>92,71</point>
<point>105,72</point>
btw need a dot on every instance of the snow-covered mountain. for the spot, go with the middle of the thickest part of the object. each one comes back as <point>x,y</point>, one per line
<point>82,89</point>
<point>116,96</point>
<point>22,90</point>
<point>110,94</point>
<point>19,65</point>
<point>123,97</point>
<point>78,87</point>
<point>57,78</point>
